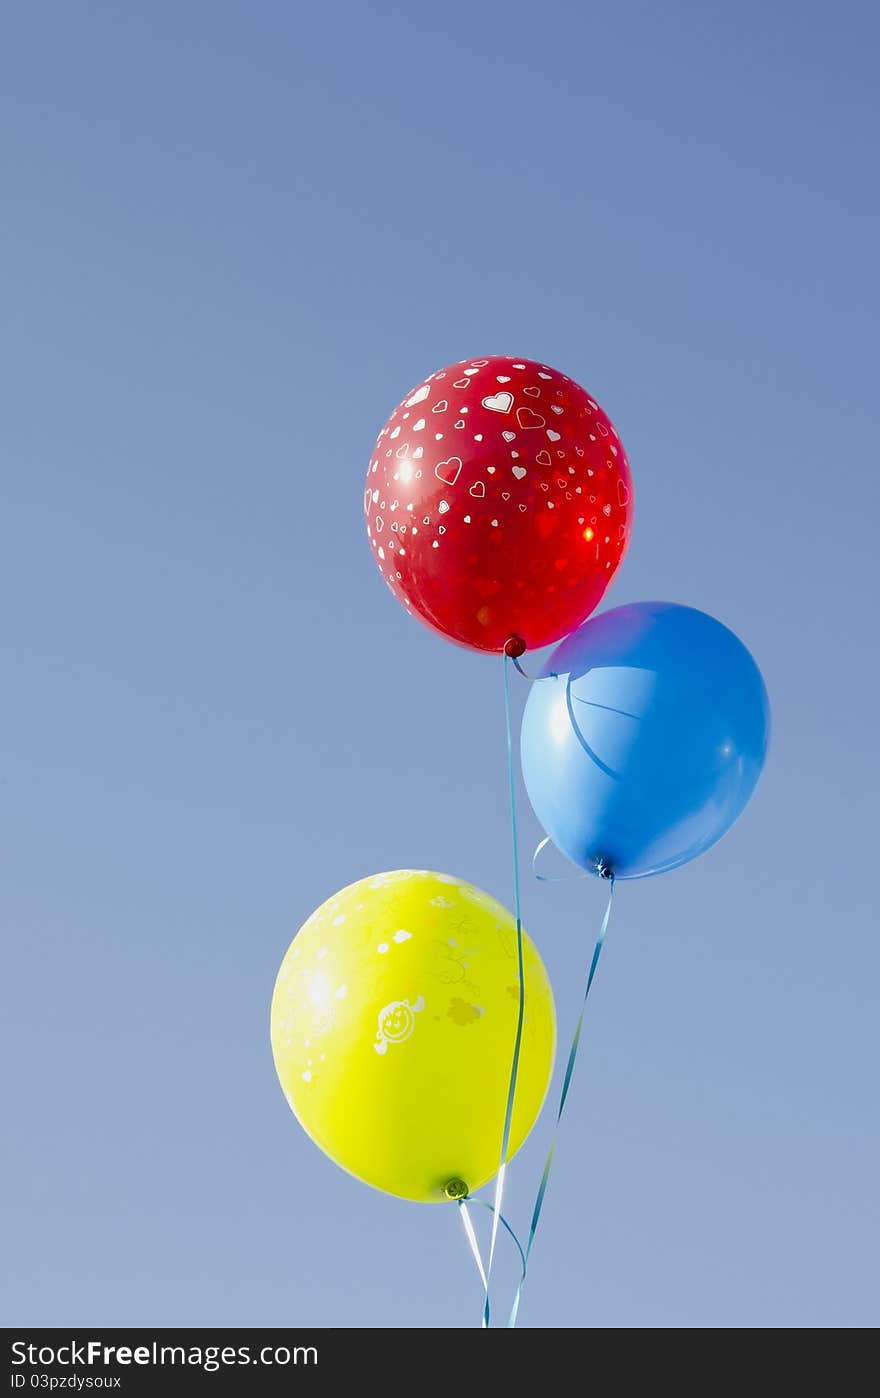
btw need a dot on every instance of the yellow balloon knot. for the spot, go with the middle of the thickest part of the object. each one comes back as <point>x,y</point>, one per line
<point>456,1189</point>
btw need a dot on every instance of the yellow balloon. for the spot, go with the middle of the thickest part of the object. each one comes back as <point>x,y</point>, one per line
<point>393,1023</point>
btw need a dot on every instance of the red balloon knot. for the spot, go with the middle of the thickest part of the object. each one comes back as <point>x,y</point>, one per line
<point>515,646</point>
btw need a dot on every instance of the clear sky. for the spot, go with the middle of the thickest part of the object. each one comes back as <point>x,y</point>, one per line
<point>233,236</point>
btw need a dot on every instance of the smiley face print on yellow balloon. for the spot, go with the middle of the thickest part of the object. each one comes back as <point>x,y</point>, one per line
<point>393,1021</point>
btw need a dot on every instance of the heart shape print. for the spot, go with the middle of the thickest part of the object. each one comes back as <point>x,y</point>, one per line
<point>449,470</point>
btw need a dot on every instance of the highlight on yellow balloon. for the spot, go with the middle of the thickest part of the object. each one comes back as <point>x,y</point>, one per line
<point>393,1022</point>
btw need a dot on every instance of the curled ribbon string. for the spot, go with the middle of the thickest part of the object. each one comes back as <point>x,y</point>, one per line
<point>550,878</point>
<point>566,1083</point>
<point>532,679</point>
<point>517,1043</point>
<point>471,1236</point>
<point>484,1204</point>
<point>472,1239</point>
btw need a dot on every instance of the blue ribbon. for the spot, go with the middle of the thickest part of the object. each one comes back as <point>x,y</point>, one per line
<point>554,878</point>
<point>472,1237</point>
<point>495,1209</point>
<point>566,1084</point>
<point>533,679</point>
<point>517,1043</point>
<point>472,1240</point>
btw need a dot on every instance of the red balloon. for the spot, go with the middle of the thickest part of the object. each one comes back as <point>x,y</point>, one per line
<point>499,503</point>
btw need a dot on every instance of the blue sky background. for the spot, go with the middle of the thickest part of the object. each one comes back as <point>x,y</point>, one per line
<point>232,237</point>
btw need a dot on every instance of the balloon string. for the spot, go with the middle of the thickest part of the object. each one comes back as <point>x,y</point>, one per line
<point>532,679</point>
<point>517,1043</point>
<point>471,1236</point>
<point>472,1239</point>
<point>484,1204</point>
<point>566,1084</point>
<point>550,878</point>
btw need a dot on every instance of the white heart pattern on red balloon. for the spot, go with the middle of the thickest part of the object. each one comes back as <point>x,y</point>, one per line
<point>526,520</point>
<point>499,402</point>
<point>449,470</point>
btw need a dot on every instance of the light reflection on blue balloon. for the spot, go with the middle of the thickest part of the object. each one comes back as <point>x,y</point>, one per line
<point>645,738</point>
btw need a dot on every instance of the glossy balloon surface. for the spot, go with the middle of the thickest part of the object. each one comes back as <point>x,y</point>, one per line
<point>498,502</point>
<point>393,1024</point>
<point>649,743</point>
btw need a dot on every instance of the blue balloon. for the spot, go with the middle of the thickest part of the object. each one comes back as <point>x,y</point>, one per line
<point>644,738</point>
